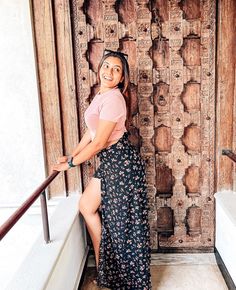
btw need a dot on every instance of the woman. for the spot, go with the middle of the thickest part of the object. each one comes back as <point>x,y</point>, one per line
<point>121,236</point>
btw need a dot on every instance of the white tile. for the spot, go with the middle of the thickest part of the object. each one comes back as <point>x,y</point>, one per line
<point>183,259</point>
<point>196,277</point>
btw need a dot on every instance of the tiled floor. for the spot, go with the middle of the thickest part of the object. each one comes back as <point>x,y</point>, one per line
<point>175,272</point>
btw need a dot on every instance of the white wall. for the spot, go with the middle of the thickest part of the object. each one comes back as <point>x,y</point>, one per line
<point>226,229</point>
<point>59,264</point>
<point>21,150</point>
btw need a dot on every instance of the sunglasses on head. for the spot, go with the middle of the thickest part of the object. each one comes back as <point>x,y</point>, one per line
<point>106,51</point>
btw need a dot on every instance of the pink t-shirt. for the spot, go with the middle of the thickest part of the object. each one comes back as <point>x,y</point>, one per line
<point>108,106</point>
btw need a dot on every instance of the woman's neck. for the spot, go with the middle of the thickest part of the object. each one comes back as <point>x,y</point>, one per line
<point>104,90</point>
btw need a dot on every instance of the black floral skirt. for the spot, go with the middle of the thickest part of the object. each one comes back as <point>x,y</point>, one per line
<point>124,261</point>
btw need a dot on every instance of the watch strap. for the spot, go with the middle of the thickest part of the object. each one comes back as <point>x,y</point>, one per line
<point>70,162</point>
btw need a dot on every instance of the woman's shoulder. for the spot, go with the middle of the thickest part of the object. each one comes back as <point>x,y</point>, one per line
<point>115,94</point>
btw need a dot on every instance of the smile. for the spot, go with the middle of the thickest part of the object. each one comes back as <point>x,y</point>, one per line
<point>107,78</point>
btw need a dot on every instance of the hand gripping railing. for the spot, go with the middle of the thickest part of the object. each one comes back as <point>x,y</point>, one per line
<point>40,191</point>
<point>230,154</point>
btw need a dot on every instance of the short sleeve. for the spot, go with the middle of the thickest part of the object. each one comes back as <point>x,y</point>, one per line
<point>112,109</point>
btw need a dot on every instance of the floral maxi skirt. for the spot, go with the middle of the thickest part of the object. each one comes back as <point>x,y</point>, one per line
<point>124,260</point>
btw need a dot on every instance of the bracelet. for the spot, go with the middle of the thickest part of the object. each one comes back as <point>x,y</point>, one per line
<point>70,162</point>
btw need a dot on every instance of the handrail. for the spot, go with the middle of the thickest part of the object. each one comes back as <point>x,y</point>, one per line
<point>230,154</point>
<point>12,220</point>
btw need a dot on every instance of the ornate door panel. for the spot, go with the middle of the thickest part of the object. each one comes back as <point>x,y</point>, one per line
<point>171,48</point>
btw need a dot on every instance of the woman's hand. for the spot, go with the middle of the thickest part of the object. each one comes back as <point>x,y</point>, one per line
<point>62,159</point>
<point>61,166</point>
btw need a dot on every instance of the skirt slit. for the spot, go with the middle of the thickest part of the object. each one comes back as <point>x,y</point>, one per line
<point>124,254</point>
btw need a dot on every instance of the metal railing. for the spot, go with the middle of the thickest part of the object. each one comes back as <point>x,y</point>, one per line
<point>40,191</point>
<point>230,154</point>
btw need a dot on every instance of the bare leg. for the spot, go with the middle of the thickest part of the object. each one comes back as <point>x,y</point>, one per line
<point>88,206</point>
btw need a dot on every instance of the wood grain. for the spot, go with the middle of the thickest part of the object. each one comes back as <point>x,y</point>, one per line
<point>225,90</point>
<point>69,113</point>
<point>48,86</point>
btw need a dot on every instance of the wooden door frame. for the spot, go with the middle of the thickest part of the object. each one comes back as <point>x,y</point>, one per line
<point>225,94</point>
<point>56,83</point>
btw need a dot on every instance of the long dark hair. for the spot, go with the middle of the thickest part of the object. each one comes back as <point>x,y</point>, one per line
<point>124,86</point>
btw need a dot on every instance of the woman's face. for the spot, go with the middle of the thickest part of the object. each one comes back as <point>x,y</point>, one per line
<point>111,73</point>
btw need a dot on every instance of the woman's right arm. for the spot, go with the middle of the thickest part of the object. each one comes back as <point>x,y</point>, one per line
<point>86,139</point>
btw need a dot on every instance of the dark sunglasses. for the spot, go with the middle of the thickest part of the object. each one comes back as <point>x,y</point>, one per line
<point>106,51</point>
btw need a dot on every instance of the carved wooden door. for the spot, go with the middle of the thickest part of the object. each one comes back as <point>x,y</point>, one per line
<point>171,48</point>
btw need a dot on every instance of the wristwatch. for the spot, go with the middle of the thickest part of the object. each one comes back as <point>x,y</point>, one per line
<point>70,162</point>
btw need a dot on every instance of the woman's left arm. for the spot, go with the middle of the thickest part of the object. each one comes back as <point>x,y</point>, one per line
<point>103,133</point>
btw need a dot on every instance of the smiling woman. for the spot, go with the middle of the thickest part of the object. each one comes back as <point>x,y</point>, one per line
<point>110,74</point>
<point>121,236</point>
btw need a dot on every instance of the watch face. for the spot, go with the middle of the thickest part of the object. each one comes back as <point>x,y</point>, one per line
<point>70,162</point>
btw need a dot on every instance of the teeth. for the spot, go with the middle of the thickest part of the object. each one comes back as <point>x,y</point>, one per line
<point>107,78</point>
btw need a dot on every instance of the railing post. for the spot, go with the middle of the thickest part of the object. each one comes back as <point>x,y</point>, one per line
<point>44,211</point>
<point>12,220</point>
